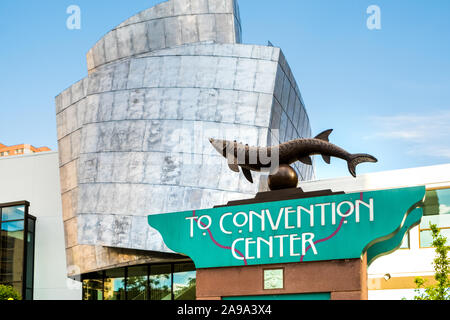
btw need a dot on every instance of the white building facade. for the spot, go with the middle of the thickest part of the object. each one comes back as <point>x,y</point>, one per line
<point>391,277</point>
<point>35,179</point>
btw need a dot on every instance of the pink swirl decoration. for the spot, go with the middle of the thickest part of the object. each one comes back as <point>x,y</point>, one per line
<point>218,244</point>
<point>334,233</point>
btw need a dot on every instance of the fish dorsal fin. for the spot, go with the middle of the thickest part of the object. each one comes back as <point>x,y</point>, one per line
<point>233,166</point>
<point>306,160</point>
<point>326,158</point>
<point>247,174</point>
<point>324,135</point>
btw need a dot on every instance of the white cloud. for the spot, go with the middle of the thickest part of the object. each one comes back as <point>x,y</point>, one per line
<point>425,133</point>
<point>424,126</point>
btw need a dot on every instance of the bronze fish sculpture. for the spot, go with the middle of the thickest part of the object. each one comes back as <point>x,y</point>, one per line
<point>250,159</point>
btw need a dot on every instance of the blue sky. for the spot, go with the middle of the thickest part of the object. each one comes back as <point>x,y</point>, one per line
<point>384,92</point>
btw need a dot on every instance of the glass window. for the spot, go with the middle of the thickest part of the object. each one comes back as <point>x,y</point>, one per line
<point>114,284</point>
<point>144,282</point>
<point>184,282</point>
<point>12,253</point>
<point>137,283</point>
<point>93,286</point>
<point>31,224</point>
<point>161,282</point>
<point>15,228</point>
<point>13,213</point>
<point>29,276</point>
<point>17,249</point>
<point>436,211</point>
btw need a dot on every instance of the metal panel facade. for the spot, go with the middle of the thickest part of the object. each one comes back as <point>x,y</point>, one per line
<point>133,135</point>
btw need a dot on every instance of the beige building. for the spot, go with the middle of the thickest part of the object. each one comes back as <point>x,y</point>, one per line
<point>20,149</point>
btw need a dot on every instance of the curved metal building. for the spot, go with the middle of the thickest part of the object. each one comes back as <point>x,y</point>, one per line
<point>133,135</point>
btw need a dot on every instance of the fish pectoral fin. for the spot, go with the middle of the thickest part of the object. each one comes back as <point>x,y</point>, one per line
<point>234,167</point>
<point>326,158</point>
<point>247,174</point>
<point>325,136</point>
<point>306,160</point>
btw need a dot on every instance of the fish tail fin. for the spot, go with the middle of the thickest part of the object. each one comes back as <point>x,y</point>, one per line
<point>359,158</point>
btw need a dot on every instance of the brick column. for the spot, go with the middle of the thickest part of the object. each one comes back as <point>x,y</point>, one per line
<point>343,279</point>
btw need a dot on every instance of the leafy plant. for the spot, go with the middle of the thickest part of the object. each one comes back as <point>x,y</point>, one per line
<point>440,291</point>
<point>9,293</point>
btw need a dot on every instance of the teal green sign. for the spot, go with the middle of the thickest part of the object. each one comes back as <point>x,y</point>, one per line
<point>313,229</point>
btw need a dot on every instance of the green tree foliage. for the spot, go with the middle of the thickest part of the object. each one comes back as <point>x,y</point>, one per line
<point>9,293</point>
<point>440,291</point>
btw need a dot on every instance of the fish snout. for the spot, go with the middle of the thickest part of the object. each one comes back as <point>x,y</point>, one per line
<point>219,145</point>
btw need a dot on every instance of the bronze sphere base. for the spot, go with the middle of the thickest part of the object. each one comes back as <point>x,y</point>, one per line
<point>284,178</point>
